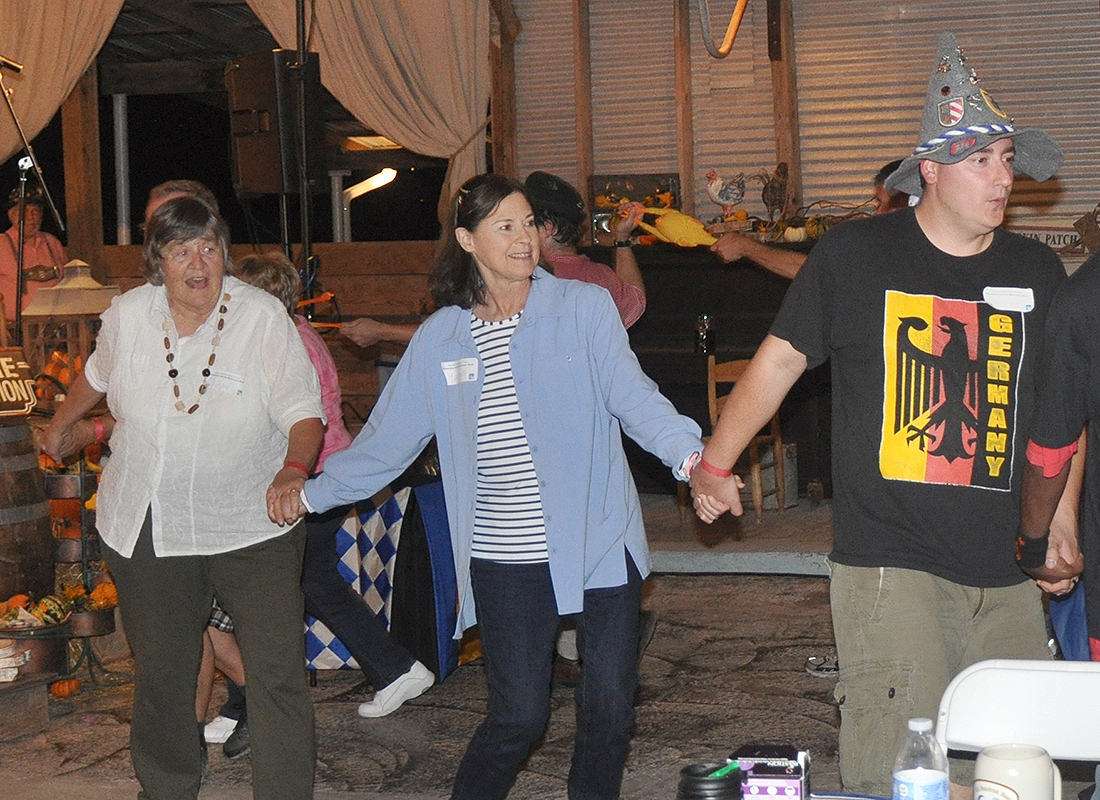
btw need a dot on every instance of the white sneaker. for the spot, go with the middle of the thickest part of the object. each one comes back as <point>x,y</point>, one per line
<point>412,684</point>
<point>218,729</point>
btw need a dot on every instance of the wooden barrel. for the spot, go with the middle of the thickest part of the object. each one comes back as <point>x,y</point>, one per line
<point>26,542</point>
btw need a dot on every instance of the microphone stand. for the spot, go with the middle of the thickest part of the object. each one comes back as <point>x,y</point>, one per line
<point>26,162</point>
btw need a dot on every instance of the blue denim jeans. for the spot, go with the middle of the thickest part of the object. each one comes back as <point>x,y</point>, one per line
<point>518,621</point>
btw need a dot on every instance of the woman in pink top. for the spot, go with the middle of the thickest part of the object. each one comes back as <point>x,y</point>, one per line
<point>393,672</point>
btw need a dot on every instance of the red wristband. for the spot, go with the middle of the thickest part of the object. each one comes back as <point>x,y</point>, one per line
<point>100,432</point>
<point>298,465</point>
<point>713,470</point>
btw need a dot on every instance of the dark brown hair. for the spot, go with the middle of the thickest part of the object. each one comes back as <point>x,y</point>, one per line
<point>455,280</point>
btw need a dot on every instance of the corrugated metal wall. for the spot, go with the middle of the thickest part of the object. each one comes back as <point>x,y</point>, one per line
<point>862,67</point>
<point>633,87</point>
<point>546,108</point>
<point>733,116</point>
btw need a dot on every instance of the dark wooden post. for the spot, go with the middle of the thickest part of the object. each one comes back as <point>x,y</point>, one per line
<point>83,180</point>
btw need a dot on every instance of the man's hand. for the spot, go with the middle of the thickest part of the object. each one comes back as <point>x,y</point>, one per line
<point>364,331</point>
<point>731,246</point>
<point>625,226</point>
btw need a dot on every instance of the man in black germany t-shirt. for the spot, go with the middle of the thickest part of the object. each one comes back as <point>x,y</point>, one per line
<point>931,318</point>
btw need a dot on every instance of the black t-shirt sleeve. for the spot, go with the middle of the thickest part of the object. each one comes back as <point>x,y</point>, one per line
<point>1065,368</point>
<point>802,319</point>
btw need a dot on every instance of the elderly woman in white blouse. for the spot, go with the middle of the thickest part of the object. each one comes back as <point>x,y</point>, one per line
<point>218,411</point>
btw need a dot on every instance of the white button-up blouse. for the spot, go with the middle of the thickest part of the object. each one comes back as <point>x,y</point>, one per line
<point>204,475</point>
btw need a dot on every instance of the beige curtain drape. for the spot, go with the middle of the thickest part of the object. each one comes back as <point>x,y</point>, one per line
<point>417,73</point>
<point>56,42</point>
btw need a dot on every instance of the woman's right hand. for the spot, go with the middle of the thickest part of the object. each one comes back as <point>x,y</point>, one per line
<point>58,441</point>
<point>284,497</point>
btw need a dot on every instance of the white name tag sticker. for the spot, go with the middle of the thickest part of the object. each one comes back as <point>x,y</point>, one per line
<point>462,371</point>
<point>1009,298</point>
<point>226,382</point>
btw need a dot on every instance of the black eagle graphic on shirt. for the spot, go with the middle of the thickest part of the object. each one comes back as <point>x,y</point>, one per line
<point>946,385</point>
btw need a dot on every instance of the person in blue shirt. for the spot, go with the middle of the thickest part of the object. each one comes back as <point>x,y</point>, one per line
<point>526,381</point>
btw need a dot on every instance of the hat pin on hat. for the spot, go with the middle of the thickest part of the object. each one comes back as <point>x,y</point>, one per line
<point>960,117</point>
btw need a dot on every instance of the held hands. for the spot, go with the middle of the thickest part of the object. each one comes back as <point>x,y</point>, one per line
<point>1065,564</point>
<point>1061,567</point>
<point>284,497</point>
<point>58,441</point>
<point>715,496</point>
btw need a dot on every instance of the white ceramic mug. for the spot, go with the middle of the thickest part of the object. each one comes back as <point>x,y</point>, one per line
<point>1016,772</point>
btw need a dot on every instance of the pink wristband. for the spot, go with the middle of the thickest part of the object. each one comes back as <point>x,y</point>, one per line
<point>100,431</point>
<point>713,470</point>
<point>298,465</point>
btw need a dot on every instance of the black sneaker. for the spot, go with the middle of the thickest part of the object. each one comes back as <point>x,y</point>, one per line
<point>238,742</point>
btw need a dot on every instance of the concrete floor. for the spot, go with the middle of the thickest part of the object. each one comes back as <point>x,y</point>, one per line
<point>724,669</point>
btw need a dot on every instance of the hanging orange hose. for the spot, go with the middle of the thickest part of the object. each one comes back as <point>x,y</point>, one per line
<point>731,31</point>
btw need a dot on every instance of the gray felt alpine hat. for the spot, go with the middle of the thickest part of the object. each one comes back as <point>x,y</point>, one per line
<point>960,117</point>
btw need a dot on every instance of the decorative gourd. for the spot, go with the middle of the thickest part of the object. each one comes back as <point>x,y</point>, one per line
<point>51,609</point>
<point>66,687</point>
<point>16,601</point>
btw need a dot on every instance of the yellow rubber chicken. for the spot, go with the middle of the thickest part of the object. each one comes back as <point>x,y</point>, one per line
<point>670,225</point>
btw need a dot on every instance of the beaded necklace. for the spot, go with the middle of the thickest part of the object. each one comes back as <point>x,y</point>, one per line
<point>171,357</point>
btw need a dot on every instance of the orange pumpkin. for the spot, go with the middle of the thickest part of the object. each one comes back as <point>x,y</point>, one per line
<point>17,601</point>
<point>66,687</point>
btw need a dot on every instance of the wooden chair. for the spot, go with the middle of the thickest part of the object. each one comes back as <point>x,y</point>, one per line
<point>768,441</point>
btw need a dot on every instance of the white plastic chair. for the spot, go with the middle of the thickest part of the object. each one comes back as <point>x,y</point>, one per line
<point>1052,704</point>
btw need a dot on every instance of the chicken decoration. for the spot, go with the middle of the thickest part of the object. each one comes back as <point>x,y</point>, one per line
<point>726,193</point>
<point>670,225</point>
<point>774,193</point>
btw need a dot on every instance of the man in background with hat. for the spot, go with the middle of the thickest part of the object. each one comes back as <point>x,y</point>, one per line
<point>932,318</point>
<point>559,214</point>
<point>43,254</point>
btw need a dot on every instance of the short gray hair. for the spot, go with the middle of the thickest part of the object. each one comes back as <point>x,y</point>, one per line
<point>181,220</point>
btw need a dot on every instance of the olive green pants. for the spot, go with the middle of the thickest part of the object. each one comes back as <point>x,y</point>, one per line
<point>165,604</point>
<point>901,636</point>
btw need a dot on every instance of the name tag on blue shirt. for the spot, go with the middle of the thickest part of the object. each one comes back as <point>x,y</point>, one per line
<point>462,371</point>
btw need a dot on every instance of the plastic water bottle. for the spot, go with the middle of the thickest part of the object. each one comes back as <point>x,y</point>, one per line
<point>920,770</point>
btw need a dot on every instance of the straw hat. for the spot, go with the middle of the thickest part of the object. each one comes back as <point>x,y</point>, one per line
<point>961,117</point>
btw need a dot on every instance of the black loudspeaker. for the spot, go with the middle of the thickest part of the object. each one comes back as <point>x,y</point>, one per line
<point>265,145</point>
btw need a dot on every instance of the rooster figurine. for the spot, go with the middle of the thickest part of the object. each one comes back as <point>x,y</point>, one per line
<point>670,225</point>
<point>726,193</point>
<point>774,193</point>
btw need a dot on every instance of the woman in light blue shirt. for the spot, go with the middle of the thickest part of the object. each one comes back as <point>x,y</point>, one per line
<point>526,381</point>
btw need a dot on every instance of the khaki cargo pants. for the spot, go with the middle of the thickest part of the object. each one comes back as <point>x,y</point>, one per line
<point>901,636</point>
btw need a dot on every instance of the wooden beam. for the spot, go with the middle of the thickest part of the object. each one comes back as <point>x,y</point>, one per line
<point>685,129</point>
<point>83,181</point>
<point>194,18</point>
<point>506,16</point>
<point>503,57</point>
<point>162,77</point>
<point>785,98</point>
<point>582,95</point>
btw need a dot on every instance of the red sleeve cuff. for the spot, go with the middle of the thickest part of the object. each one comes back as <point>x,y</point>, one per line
<point>1051,459</point>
